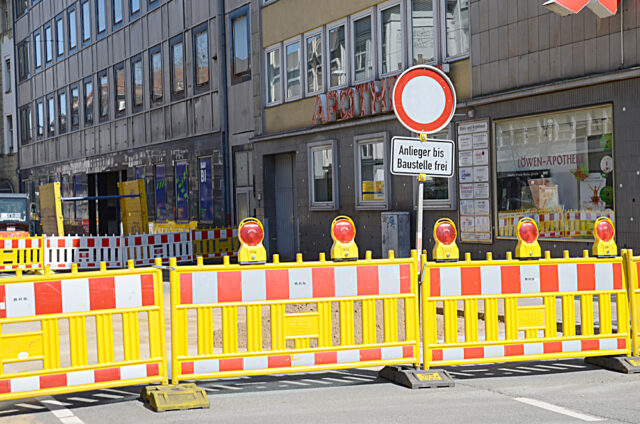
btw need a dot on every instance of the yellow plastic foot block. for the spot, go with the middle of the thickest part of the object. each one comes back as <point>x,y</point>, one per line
<point>175,397</point>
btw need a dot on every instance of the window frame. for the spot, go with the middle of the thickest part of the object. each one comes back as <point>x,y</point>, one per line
<point>20,12</point>
<point>307,35</point>
<point>86,81</point>
<point>133,15</point>
<point>347,62</point>
<point>103,73</point>
<point>116,25</point>
<point>83,17</point>
<point>47,62</point>
<point>204,27</point>
<point>116,68</point>
<point>361,204</point>
<point>101,34</point>
<point>153,51</point>
<point>39,103</point>
<point>24,44</point>
<point>24,137</point>
<point>237,78</point>
<point>59,55</point>
<point>72,9</point>
<point>135,60</point>
<point>296,39</point>
<point>152,4</point>
<point>437,47</point>
<point>37,34</point>
<point>62,91</point>
<point>379,10</point>
<point>177,95</point>
<point>335,203</point>
<point>8,81</point>
<point>275,47</point>
<point>352,63</point>
<point>449,204</point>
<point>442,21</point>
<point>74,86</point>
<point>51,100</point>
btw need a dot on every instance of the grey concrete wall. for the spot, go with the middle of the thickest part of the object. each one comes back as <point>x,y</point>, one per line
<point>518,43</point>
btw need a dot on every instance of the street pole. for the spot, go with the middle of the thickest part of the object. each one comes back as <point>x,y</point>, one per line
<point>421,179</point>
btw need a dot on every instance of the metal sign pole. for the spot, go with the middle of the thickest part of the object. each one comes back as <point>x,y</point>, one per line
<point>421,179</point>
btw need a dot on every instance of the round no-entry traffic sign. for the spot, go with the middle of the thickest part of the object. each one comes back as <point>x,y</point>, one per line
<point>424,99</point>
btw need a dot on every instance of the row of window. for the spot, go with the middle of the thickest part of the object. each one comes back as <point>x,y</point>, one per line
<point>372,177</point>
<point>58,100</point>
<point>49,40</point>
<point>117,13</point>
<point>380,41</point>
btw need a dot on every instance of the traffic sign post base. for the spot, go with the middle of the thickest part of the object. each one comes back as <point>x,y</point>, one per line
<point>414,378</point>
<point>625,364</point>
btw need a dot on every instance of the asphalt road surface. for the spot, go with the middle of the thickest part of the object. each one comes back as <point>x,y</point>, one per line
<point>533,392</point>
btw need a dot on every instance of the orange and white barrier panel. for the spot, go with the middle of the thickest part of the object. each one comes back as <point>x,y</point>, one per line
<point>85,251</point>
<point>21,253</point>
<point>143,249</point>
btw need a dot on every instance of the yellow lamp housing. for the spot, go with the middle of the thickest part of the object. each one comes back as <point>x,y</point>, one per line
<point>444,234</point>
<point>603,233</point>
<point>528,246</point>
<point>251,234</point>
<point>343,233</point>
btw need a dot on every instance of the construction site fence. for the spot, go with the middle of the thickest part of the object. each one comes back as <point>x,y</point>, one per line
<point>88,252</point>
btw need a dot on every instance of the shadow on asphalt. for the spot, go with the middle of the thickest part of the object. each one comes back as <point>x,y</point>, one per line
<point>270,383</point>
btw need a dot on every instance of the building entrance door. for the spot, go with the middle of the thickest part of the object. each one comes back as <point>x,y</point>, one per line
<point>285,206</point>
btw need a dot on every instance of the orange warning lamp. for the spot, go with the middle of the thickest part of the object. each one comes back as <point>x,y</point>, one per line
<point>528,246</point>
<point>343,233</point>
<point>603,232</point>
<point>251,234</point>
<point>444,233</point>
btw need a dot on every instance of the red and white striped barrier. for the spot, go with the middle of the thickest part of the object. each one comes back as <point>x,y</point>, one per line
<point>144,249</point>
<point>20,253</point>
<point>215,243</point>
<point>86,251</point>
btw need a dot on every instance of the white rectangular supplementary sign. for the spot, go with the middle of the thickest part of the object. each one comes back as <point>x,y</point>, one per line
<point>411,156</point>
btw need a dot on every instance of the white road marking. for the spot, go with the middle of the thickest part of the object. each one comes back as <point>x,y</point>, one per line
<point>337,380</point>
<point>29,406</point>
<point>108,396</point>
<point>299,383</point>
<point>350,377</point>
<point>513,370</point>
<point>316,381</point>
<point>222,386</point>
<point>532,369</point>
<point>57,408</point>
<point>558,409</point>
<point>572,365</point>
<point>552,367</point>
<point>461,373</point>
<point>120,391</point>
<point>81,399</point>
<point>8,411</point>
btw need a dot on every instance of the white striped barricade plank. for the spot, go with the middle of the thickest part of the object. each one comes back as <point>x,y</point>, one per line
<point>52,318</point>
<point>216,243</point>
<point>319,315</point>
<point>85,251</point>
<point>21,253</point>
<point>144,248</point>
<point>533,297</point>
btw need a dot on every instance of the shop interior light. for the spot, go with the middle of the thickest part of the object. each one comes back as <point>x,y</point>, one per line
<point>528,246</point>
<point>603,233</point>
<point>251,249</point>
<point>343,233</point>
<point>444,234</point>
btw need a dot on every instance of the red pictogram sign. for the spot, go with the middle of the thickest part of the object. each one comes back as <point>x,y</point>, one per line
<point>424,99</point>
<point>602,8</point>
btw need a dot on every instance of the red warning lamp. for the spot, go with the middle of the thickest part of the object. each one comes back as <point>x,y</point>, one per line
<point>444,234</point>
<point>344,231</point>
<point>604,230</point>
<point>603,233</point>
<point>251,234</point>
<point>528,246</point>
<point>528,232</point>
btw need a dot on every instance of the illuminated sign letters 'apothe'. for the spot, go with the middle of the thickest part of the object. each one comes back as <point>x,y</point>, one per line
<point>602,8</point>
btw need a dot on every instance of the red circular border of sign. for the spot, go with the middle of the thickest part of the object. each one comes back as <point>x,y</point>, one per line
<point>402,116</point>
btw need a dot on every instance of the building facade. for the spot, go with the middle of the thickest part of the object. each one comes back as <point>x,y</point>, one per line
<point>114,90</point>
<point>545,125</point>
<point>9,152</point>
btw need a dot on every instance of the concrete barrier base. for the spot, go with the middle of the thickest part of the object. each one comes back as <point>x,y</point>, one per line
<point>414,378</point>
<point>625,364</point>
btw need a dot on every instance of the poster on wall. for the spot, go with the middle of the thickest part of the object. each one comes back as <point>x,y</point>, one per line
<point>206,189</point>
<point>182,192</point>
<point>475,190</point>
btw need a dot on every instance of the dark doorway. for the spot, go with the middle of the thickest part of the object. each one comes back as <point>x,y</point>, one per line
<point>280,204</point>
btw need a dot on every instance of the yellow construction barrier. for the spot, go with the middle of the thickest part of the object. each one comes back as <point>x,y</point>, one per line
<point>81,331</point>
<point>279,317</point>
<point>631,267</point>
<point>216,243</point>
<point>21,253</point>
<point>533,296</point>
